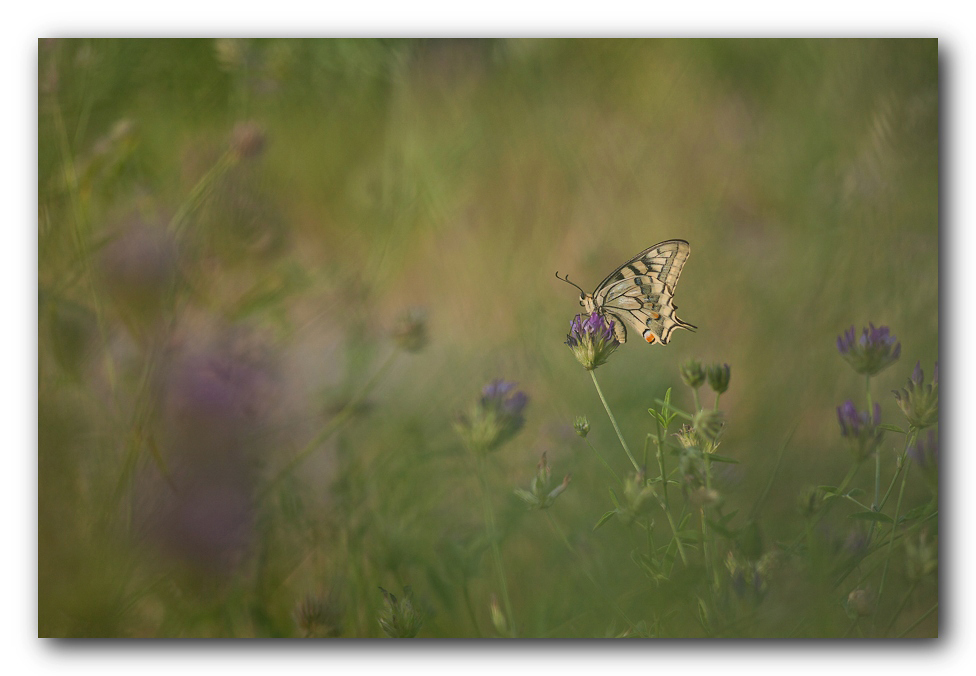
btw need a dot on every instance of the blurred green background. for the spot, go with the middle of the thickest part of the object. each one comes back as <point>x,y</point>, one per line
<point>367,177</point>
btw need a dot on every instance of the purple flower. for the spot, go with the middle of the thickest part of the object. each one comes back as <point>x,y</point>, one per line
<point>860,429</point>
<point>918,401</point>
<point>875,350</point>
<point>495,418</point>
<point>592,340</point>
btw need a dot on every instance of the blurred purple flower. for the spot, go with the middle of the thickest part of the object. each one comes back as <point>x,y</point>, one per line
<point>208,524</point>
<point>592,340</point>
<point>139,268</point>
<point>860,429</point>
<point>875,350</point>
<point>211,403</point>
<point>497,416</point>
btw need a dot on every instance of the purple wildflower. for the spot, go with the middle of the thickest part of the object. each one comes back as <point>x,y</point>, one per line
<point>495,418</point>
<point>875,350</point>
<point>920,402</point>
<point>592,340</point>
<point>860,429</point>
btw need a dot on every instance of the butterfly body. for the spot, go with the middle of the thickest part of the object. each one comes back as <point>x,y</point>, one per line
<point>640,293</point>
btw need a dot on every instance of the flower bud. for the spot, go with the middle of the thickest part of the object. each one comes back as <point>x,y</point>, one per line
<point>693,373</point>
<point>811,501</point>
<point>542,494</point>
<point>498,617</point>
<point>922,556</point>
<point>708,424</point>
<point>399,618</point>
<point>718,377</point>
<point>410,330</point>
<point>318,616</point>
<point>582,426</point>
<point>860,603</point>
<point>247,140</point>
<point>920,402</point>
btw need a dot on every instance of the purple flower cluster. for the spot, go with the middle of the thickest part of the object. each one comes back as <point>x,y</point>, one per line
<point>874,350</point>
<point>592,340</point>
<point>860,429</point>
<point>502,396</point>
<point>497,416</point>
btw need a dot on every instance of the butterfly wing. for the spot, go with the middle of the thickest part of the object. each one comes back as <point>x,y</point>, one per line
<point>640,292</point>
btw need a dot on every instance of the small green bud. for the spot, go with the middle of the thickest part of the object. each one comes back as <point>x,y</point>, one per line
<point>498,617</point>
<point>400,619</point>
<point>319,616</point>
<point>542,495</point>
<point>410,330</point>
<point>922,556</point>
<point>860,603</point>
<point>719,376</point>
<point>582,426</point>
<point>693,373</point>
<point>636,494</point>
<point>811,501</point>
<point>918,401</point>
<point>708,424</point>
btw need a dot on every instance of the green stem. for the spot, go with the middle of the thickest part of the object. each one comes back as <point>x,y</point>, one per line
<point>707,550</point>
<point>717,395</point>
<point>697,402</point>
<point>901,607</point>
<point>199,192</point>
<point>605,463</point>
<point>572,550</point>
<point>496,553</point>
<point>330,427</point>
<point>891,538</point>
<point>877,456</point>
<point>660,463</point>
<point>614,422</point>
<point>674,531</point>
<point>919,620</point>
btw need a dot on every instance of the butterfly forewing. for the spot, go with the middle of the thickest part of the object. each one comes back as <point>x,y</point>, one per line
<point>640,292</point>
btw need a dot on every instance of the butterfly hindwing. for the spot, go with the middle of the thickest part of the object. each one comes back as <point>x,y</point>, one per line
<point>640,292</point>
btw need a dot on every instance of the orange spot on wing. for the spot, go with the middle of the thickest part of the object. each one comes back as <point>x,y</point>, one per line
<point>655,315</point>
<point>649,337</point>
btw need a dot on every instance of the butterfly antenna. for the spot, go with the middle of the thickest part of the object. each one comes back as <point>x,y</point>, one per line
<point>565,278</point>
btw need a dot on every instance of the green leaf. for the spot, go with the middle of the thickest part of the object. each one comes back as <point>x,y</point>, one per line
<point>728,517</point>
<point>892,428</point>
<point>915,513</point>
<point>827,489</point>
<point>855,492</point>
<point>603,519</point>
<point>715,457</point>
<point>613,499</point>
<point>872,516</point>
<point>720,529</point>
